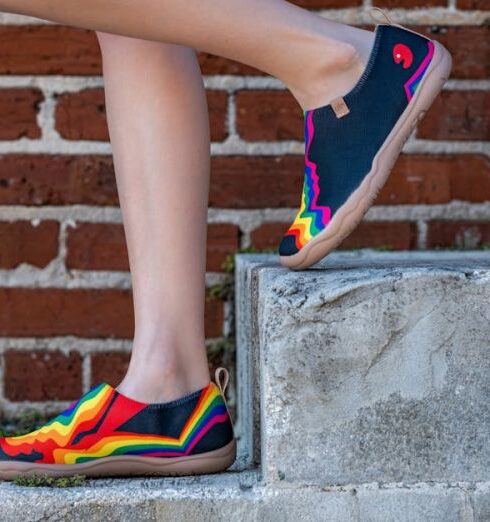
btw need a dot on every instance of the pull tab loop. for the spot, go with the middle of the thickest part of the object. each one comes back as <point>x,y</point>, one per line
<point>383,13</point>
<point>217,378</point>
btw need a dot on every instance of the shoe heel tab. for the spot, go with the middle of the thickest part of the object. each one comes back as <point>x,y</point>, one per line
<point>383,13</point>
<point>217,377</point>
<point>389,22</point>
<point>222,387</point>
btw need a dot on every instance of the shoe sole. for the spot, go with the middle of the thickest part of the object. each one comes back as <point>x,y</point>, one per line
<point>350,214</point>
<point>129,465</point>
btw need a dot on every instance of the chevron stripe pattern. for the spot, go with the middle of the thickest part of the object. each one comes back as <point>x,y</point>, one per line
<point>90,429</point>
<point>311,217</point>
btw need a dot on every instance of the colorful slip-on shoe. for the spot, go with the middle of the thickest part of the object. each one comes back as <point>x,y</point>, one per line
<point>108,434</point>
<point>352,143</point>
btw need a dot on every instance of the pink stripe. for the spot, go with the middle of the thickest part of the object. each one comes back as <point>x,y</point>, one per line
<point>419,71</point>
<point>215,420</point>
<point>316,189</point>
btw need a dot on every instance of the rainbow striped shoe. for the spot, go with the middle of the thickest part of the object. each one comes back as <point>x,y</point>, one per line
<point>352,143</point>
<point>108,434</point>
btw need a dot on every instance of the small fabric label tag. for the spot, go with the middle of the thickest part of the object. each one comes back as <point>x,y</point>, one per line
<point>340,107</point>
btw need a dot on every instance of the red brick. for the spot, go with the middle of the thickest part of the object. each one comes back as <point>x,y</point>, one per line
<point>484,5</point>
<point>88,313</point>
<point>268,235</point>
<point>109,367</point>
<point>468,45</point>
<point>54,311</point>
<point>42,376</point>
<point>458,115</point>
<point>48,49</point>
<point>218,109</point>
<point>214,318</point>
<point>418,180</point>
<point>222,240</point>
<point>22,242</point>
<point>268,115</point>
<point>430,180</point>
<point>101,246</point>
<point>82,115</point>
<point>397,236</point>
<point>18,113</point>
<point>97,246</point>
<point>470,178</point>
<point>57,180</point>
<point>256,181</point>
<point>460,234</point>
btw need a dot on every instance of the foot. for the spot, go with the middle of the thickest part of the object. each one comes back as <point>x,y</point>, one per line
<point>352,143</point>
<point>106,433</point>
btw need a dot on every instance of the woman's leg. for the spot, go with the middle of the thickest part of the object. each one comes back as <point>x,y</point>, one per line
<point>159,129</point>
<point>317,59</point>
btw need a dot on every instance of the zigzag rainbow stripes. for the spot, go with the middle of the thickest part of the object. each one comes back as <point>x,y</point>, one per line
<point>414,81</point>
<point>311,217</point>
<point>87,430</point>
<point>63,428</point>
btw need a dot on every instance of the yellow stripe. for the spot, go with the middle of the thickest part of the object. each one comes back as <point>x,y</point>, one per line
<point>59,432</point>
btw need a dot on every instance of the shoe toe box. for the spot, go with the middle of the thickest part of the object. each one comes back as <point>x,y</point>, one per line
<point>288,246</point>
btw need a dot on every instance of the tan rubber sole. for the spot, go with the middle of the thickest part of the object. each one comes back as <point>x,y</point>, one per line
<point>129,465</point>
<point>350,214</point>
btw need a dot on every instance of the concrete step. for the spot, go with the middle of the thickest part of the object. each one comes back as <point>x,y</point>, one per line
<point>363,388</point>
<point>369,367</point>
<point>241,497</point>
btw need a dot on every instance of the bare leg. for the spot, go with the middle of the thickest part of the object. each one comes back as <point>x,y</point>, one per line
<point>157,115</point>
<point>316,59</point>
<point>159,129</point>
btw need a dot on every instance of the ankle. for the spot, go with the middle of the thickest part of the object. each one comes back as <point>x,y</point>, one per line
<point>341,69</point>
<point>150,381</point>
<point>336,59</point>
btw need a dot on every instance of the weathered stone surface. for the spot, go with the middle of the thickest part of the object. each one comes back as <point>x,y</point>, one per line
<point>373,367</point>
<point>406,505</point>
<point>242,497</point>
<point>480,502</point>
<point>161,499</point>
<point>247,427</point>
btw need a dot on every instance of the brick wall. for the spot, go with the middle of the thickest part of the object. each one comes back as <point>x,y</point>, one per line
<point>65,300</point>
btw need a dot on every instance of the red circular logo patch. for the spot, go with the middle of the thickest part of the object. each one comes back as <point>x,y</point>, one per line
<point>402,54</point>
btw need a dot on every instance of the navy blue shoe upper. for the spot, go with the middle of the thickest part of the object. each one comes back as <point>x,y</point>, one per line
<point>341,142</point>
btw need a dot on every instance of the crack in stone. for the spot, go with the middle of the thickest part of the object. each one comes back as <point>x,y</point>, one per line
<point>397,335</point>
